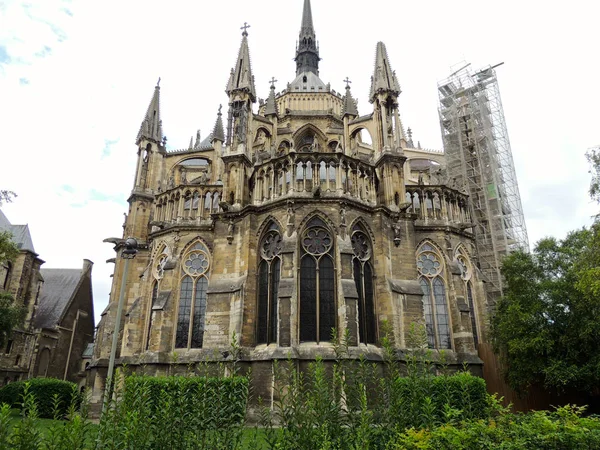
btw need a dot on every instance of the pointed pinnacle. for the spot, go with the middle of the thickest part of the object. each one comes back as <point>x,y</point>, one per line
<point>151,127</point>
<point>384,78</point>
<point>218,133</point>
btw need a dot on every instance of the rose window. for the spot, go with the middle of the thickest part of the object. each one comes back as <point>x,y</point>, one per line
<point>196,263</point>
<point>428,264</point>
<point>361,246</point>
<point>317,241</point>
<point>271,245</point>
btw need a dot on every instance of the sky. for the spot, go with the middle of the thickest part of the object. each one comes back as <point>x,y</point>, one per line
<point>76,78</point>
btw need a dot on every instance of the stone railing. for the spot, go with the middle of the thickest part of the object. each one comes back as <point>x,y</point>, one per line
<point>312,175</point>
<point>439,205</point>
<point>188,204</point>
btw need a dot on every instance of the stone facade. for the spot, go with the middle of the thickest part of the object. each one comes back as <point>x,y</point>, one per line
<point>59,321</point>
<point>296,217</point>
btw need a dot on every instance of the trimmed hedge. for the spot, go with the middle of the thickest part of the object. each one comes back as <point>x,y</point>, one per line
<point>207,403</point>
<point>425,401</point>
<point>43,390</point>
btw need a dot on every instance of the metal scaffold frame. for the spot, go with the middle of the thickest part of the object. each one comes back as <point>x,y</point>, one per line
<point>479,160</point>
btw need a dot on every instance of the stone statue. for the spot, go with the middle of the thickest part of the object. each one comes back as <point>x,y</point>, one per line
<point>420,182</point>
<point>290,218</point>
<point>183,176</point>
<point>171,183</point>
<point>343,216</point>
<point>397,229</point>
<point>242,124</point>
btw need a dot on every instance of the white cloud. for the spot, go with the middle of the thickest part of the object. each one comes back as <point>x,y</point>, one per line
<point>78,76</point>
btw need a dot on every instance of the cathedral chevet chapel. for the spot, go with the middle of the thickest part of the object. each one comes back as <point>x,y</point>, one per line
<point>297,222</point>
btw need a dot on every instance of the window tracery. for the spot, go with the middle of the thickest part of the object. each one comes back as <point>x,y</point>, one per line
<point>317,283</point>
<point>269,273</point>
<point>193,294</point>
<point>435,304</point>
<point>363,279</point>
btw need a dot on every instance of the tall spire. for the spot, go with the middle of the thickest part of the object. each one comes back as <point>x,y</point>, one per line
<point>241,78</point>
<point>349,102</point>
<point>384,79</point>
<point>151,127</point>
<point>218,133</point>
<point>307,52</point>
<point>271,106</point>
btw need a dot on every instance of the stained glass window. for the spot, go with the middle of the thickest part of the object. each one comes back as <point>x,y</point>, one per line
<point>363,279</point>
<point>193,297</point>
<point>472,312</point>
<point>317,284</point>
<point>435,305</point>
<point>268,286</point>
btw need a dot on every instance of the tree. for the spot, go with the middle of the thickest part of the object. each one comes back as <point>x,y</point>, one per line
<point>6,196</point>
<point>546,328</point>
<point>11,315</point>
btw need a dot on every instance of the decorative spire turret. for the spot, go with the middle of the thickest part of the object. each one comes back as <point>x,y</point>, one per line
<point>307,52</point>
<point>241,78</point>
<point>349,102</point>
<point>271,106</point>
<point>384,78</point>
<point>218,133</point>
<point>151,127</point>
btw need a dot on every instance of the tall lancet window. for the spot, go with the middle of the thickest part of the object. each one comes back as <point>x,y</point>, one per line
<point>317,283</point>
<point>435,305</point>
<point>269,272</point>
<point>193,291</point>
<point>363,278</point>
<point>466,274</point>
<point>158,273</point>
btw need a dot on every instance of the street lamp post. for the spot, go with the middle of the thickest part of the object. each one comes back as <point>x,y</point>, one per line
<point>128,254</point>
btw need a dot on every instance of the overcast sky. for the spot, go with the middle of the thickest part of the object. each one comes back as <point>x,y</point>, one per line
<point>76,78</point>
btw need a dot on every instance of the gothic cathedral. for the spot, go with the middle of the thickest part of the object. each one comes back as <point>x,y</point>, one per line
<point>296,218</point>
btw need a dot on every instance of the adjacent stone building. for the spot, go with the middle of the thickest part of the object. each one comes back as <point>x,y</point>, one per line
<point>59,322</point>
<point>297,216</point>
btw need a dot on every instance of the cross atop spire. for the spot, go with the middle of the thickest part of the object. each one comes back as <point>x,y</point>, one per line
<point>241,78</point>
<point>245,28</point>
<point>347,81</point>
<point>307,53</point>
<point>151,127</point>
<point>350,107</point>
<point>273,81</point>
<point>218,133</point>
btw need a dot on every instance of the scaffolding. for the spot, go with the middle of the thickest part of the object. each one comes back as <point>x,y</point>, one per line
<point>479,161</point>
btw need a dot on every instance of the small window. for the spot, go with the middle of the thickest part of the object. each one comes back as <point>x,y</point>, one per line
<point>18,360</point>
<point>304,79</point>
<point>9,345</point>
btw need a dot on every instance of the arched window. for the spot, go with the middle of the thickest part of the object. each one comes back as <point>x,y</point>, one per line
<point>465,273</point>
<point>192,298</point>
<point>269,271</point>
<point>43,363</point>
<point>7,274</point>
<point>158,272</point>
<point>317,283</point>
<point>437,321</point>
<point>363,278</point>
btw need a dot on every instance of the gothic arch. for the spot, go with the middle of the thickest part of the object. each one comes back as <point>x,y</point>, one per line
<point>193,242</point>
<point>304,129</point>
<point>361,222</point>
<point>437,247</point>
<point>321,215</point>
<point>266,223</point>
<point>354,130</point>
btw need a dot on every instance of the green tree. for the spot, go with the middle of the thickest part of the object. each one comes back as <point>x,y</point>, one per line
<point>11,315</point>
<point>593,157</point>
<point>546,328</point>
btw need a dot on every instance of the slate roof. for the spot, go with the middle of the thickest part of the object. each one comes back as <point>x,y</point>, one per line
<point>20,233</point>
<point>59,287</point>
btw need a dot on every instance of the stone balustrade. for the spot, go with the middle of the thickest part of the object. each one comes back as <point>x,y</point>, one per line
<point>188,203</point>
<point>439,205</point>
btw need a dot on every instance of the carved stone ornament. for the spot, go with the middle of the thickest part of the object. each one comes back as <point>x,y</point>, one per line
<point>397,228</point>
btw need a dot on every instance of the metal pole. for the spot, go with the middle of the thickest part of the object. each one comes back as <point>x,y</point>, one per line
<point>113,350</point>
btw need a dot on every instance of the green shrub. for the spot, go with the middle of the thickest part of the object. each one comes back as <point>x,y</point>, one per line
<point>44,390</point>
<point>563,429</point>
<point>218,402</point>
<point>433,400</point>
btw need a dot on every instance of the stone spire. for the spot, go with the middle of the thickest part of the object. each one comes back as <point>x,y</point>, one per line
<point>151,127</point>
<point>271,106</point>
<point>384,79</point>
<point>349,102</point>
<point>241,78</point>
<point>307,52</point>
<point>218,133</point>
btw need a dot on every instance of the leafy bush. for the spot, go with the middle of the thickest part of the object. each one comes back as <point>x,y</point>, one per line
<point>45,390</point>
<point>564,429</point>
<point>425,401</point>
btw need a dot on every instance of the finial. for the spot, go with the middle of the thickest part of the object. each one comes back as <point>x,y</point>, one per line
<point>158,82</point>
<point>245,28</point>
<point>347,81</point>
<point>220,108</point>
<point>409,132</point>
<point>273,81</point>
